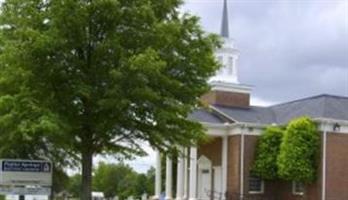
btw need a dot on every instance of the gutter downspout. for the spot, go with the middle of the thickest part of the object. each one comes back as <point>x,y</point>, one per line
<point>323,187</point>
<point>242,164</point>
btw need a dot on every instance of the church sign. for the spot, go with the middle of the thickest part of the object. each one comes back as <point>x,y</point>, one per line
<point>8,190</point>
<point>25,173</point>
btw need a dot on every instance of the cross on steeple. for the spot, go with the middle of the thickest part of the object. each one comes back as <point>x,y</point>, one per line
<point>224,23</point>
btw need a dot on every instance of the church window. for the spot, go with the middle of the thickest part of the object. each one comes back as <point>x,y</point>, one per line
<point>256,185</point>
<point>297,188</point>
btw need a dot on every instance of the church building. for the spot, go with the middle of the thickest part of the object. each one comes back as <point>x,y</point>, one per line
<point>220,169</point>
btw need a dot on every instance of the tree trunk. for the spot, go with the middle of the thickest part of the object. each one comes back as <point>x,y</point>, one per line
<point>21,197</point>
<point>87,160</point>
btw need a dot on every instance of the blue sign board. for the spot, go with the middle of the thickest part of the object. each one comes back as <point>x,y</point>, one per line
<point>26,166</point>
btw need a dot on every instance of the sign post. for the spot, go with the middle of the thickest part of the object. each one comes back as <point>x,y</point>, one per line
<point>25,177</point>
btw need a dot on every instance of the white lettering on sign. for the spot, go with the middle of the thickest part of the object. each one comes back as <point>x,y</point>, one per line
<point>25,166</point>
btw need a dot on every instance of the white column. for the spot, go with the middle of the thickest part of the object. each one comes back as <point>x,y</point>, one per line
<point>224,163</point>
<point>180,176</point>
<point>169,176</point>
<point>193,174</point>
<point>158,176</point>
<point>185,174</point>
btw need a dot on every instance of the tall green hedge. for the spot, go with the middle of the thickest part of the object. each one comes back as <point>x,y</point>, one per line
<point>298,156</point>
<point>265,165</point>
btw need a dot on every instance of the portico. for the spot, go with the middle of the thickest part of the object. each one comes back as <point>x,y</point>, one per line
<point>199,175</point>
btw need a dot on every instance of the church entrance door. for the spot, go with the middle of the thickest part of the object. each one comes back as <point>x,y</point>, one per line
<point>204,178</point>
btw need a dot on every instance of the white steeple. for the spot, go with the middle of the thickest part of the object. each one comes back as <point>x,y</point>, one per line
<point>225,87</point>
<point>227,55</point>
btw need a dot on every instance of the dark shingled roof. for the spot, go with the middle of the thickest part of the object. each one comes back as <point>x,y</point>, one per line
<point>252,114</point>
<point>322,106</point>
<point>202,115</point>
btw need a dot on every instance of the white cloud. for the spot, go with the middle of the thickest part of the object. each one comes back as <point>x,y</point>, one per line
<point>256,101</point>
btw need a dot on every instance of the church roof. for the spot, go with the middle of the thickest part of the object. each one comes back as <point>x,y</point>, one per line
<point>321,106</point>
<point>203,115</point>
<point>253,114</point>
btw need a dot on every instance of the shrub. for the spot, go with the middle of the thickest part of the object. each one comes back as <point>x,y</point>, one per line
<point>298,156</point>
<point>267,150</point>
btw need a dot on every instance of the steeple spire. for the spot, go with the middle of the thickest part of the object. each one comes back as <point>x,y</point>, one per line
<point>224,23</point>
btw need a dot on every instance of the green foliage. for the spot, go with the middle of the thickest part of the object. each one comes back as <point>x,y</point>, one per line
<point>141,184</point>
<point>150,176</point>
<point>290,154</point>
<point>98,77</point>
<point>122,180</point>
<point>74,186</point>
<point>114,180</point>
<point>299,150</point>
<point>267,150</point>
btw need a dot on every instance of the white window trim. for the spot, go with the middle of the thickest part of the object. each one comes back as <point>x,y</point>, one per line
<point>259,192</point>
<point>294,189</point>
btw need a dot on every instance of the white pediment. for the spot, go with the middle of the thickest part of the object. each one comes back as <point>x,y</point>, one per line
<point>204,162</point>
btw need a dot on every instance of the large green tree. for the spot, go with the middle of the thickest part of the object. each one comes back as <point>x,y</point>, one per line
<point>101,76</point>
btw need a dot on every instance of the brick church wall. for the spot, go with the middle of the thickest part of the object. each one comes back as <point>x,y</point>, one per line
<point>233,169</point>
<point>312,191</point>
<point>281,190</point>
<point>337,166</point>
<point>337,169</point>
<point>249,156</point>
<point>336,173</point>
<point>212,150</point>
<point>250,142</point>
